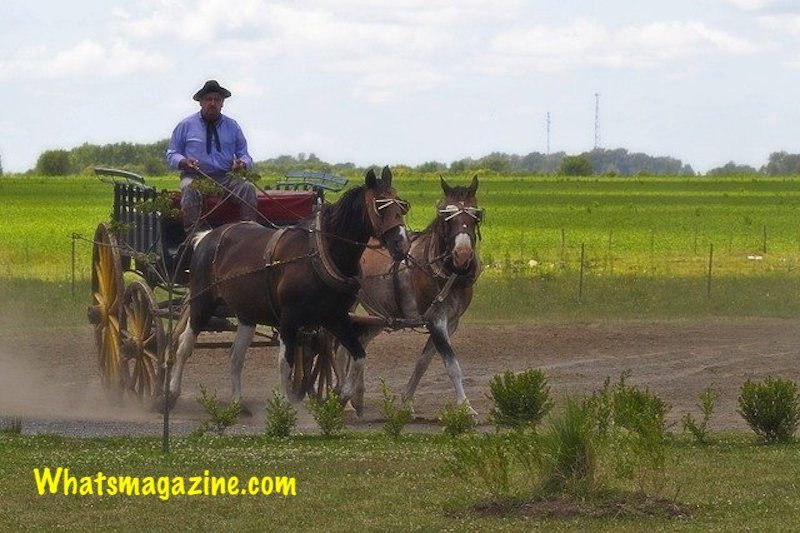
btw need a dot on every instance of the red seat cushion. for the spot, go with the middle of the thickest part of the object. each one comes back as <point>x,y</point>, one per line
<point>278,206</point>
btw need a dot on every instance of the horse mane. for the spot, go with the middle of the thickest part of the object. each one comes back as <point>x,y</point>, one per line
<point>348,211</point>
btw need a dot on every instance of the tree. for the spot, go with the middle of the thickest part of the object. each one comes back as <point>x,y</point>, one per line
<point>732,169</point>
<point>431,166</point>
<point>54,163</point>
<point>576,165</point>
<point>782,164</point>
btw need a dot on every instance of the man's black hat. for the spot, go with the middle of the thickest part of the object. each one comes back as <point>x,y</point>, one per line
<point>211,86</point>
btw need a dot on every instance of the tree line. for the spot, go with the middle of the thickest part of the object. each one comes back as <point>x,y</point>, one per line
<point>148,159</point>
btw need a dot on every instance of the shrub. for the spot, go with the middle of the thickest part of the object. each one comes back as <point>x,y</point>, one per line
<point>771,408</point>
<point>281,416</point>
<point>570,461</point>
<point>630,425</point>
<point>486,459</point>
<point>520,400</point>
<point>457,420</point>
<point>699,430</point>
<point>396,416</point>
<point>627,406</point>
<point>221,417</point>
<point>328,413</point>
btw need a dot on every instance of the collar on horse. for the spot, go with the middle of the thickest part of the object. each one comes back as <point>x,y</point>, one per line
<point>323,263</point>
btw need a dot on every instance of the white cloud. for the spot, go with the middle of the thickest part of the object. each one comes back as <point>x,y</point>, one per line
<point>588,43</point>
<point>751,5</point>
<point>85,58</point>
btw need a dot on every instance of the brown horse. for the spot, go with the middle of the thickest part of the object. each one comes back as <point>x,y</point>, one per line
<point>434,285</point>
<point>293,277</point>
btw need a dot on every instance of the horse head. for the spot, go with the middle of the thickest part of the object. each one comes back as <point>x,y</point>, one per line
<point>386,213</point>
<point>460,217</point>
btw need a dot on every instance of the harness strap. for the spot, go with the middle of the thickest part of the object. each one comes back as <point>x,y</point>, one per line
<point>324,265</point>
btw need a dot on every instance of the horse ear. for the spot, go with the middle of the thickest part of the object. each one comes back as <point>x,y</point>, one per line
<point>370,179</point>
<point>473,187</point>
<point>386,175</point>
<point>445,187</point>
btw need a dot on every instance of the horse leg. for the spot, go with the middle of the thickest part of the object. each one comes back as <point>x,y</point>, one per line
<point>419,370</point>
<point>425,360</point>
<point>244,336</point>
<point>286,353</point>
<point>186,342</point>
<point>342,358</point>
<point>353,389</point>
<point>440,334</point>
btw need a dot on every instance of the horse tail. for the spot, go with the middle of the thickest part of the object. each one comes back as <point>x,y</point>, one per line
<point>197,237</point>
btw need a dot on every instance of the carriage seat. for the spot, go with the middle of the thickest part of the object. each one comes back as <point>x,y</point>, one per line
<point>281,207</point>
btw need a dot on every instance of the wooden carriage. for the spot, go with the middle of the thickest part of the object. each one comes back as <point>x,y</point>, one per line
<point>139,281</point>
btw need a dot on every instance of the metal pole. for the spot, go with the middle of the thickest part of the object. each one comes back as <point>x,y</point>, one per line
<point>580,283</point>
<point>72,282</point>
<point>710,263</point>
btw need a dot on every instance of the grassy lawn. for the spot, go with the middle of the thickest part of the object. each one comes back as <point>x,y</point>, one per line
<point>366,481</point>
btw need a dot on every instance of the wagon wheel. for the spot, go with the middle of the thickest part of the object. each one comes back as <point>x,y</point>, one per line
<point>105,311</point>
<point>142,342</point>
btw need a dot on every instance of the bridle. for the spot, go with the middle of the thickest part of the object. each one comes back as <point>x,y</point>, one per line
<point>385,214</point>
<point>452,211</point>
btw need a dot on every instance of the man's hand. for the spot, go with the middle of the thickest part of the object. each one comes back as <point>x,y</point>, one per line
<point>189,164</point>
<point>238,165</point>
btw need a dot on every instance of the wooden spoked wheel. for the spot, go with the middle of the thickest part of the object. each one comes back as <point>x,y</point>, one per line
<point>142,342</point>
<point>105,310</point>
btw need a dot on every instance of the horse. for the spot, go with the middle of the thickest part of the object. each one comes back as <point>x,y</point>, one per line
<point>302,276</point>
<point>434,285</point>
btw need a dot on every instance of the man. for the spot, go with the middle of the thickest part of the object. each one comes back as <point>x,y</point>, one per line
<point>211,143</point>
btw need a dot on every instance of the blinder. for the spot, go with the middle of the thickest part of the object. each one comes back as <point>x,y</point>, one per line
<point>383,203</point>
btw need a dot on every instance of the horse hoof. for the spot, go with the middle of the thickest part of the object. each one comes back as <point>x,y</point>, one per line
<point>245,411</point>
<point>358,405</point>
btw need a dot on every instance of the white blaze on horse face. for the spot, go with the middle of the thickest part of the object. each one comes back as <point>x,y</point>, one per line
<point>462,251</point>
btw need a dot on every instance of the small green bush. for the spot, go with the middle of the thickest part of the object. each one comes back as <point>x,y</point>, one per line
<point>485,459</point>
<point>396,416</point>
<point>699,430</point>
<point>570,458</point>
<point>328,413</point>
<point>771,408</point>
<point>281,416</point>
<point>630,426</point>
<point>221,417</point>
<point>520,400</point>
<point>457,420</point>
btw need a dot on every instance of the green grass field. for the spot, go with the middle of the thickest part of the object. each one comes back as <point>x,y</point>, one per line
<point>647,242</point>
<point>368,482</point>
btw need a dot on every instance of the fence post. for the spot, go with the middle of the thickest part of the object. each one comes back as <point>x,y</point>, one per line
<point>72,282</point>
<point>764,247</point>
<point>580,282</point>
<point>710,263</point>
<point>610,258</point>
<point>563,244</point>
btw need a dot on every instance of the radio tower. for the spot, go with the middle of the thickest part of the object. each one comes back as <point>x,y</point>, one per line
<point>596,121</point>
<point>548,133</point>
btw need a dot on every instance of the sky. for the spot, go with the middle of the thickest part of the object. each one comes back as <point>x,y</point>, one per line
<point>408,81</point>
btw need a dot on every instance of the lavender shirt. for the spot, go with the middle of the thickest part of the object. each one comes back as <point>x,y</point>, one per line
<point>189,141</point>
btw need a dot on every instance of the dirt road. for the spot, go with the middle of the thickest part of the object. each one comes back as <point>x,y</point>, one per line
<point>50,377</point>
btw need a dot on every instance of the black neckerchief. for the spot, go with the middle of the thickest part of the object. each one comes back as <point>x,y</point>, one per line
<point>211,132</point>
